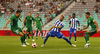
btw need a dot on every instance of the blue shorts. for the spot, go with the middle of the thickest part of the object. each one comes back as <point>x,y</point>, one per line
<point>54,33</point>
<point>73,30</point>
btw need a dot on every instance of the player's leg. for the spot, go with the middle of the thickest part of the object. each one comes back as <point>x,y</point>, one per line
<point>32,35</point>
<point>27,33</point>
<point>75,31</point>
<point>60,35</point>
<point>46,38</point>
<point>36,33</point>
<point>40,28</point>
<point>70,34</point>
<point>87,34</point>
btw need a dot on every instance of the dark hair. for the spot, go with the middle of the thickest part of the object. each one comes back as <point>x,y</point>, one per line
<point>18,11</point>
<point>74,14</point>
<point>88,13</point>
<point>29,12</point>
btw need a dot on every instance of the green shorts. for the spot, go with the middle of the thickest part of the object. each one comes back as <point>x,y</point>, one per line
<point>16,30</point>
<point>92,32</point>
<point>29,29</point>
<point>39,28</point>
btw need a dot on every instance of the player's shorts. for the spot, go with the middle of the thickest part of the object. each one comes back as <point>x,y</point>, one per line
<point>29,29</point>
<point>92,32</point>
<point>39,28</point>
<point>54,33</point>
<point>16,30</point>
<point>73,30</point>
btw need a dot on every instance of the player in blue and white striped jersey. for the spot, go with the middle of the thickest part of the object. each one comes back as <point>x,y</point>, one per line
<point>73,26</point>
<point>55,31</point>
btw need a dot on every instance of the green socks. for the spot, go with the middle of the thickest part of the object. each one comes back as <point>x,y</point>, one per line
<point>42,33</point>
<point>23,40</point>
<point>26,36</point>
<point>86,37</point>
<point>32,35</point>
<point>36,33</point>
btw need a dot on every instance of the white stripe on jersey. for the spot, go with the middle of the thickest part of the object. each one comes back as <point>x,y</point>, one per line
<point>74,23</point>
<point>58,23</point>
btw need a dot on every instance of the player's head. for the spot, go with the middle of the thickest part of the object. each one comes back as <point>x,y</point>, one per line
<point>62,17</point>
<point>29,14</point>
<point>18,13</point>
<point>73,15</point>
<point>37,15</point>
<point>87,15</point>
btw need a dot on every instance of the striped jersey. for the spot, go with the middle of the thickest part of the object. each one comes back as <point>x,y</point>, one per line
<point>58,23</point>
<point>74,22</point>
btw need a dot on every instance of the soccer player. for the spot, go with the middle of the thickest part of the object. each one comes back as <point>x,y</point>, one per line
<point>24,26</point>
<point>38,21</point>
<point>55,31</point>
<point>73,26</point>
<point>94,28</point>
<point>15,29</point>
<point>28,21</point>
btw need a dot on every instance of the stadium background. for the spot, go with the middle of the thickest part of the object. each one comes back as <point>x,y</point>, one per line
<point>49,10</point>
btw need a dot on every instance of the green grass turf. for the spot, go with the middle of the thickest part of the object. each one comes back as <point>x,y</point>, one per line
<point>12,45</point>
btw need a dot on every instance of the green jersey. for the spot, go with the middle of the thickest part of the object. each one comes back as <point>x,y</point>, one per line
<point>29,21</point>
<point>38,21</point>
<point>91,23</point>
<point>14,22</point>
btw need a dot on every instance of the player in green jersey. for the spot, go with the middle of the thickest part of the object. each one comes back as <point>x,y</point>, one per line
<point>28,21</point>
<point>38,21</point>
<point>94,28</point>
<point>15,29</point>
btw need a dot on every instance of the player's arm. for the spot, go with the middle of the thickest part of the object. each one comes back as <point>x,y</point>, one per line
<point>61,26</point>
<point>42,23</point>
<point>34,24</point>
<point>24,21</point>
<point>58,27</point>
<point>85,27</point>
<point>96,24</point>
<point>7,23</point>
<point>69,23</point>
<point>20,19</point>
<point>50,29</point>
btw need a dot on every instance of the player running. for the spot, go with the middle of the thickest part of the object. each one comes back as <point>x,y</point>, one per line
<point>73,26</point>
<point>28,21</point>
<point>94,28</point>
<point>38,21</point>
<point>15,29</point>
<point>55,31</point>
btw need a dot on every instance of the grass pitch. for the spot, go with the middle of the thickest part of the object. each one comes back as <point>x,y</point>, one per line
<point>12,45</point>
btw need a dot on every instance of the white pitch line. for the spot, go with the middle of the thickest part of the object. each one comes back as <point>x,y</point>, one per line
<point>53,50</point>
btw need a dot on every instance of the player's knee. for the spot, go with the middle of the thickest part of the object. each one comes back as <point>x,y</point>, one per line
<point>88,31</point>
<point>74,33</point>
<point>70,33</point>
<point>21,34</point>
<point>27,32</point>
<point>63,37</point>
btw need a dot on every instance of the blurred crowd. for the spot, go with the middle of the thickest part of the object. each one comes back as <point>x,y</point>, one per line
<point>42,6</point>
<point>4,7</point>
<point>50,8</point>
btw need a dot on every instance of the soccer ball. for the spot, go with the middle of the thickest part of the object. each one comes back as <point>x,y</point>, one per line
<point>34,45</point>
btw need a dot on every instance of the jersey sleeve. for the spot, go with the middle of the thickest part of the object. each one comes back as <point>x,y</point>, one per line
<point>26,17</point>
<point>12,18</point>
<point>62,25</point>
<point>70,21</point>
<point>32,18</point>
<point>40,19</point>
<point>92,19</point>
<point>78,21</point>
